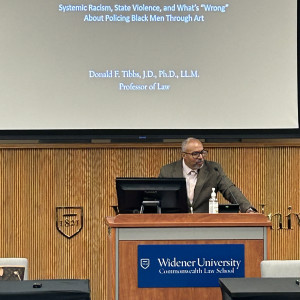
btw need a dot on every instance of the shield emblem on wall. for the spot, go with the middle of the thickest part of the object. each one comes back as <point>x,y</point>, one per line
<point>69,220</point>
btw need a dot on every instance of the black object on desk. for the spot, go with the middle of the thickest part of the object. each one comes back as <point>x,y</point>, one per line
<point>259,288</point>
<point>58,289</point>
<point>229,208</point>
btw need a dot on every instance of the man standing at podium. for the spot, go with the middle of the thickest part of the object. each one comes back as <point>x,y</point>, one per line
<point>201,176</point>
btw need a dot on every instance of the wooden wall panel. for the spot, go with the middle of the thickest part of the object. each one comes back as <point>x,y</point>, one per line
<point>35,179</point>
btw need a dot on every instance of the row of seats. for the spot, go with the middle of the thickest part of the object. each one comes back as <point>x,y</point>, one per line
<point>269,268</point>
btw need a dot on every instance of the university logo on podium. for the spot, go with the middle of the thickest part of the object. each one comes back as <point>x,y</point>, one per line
<point>145,263</point>
<point>69,220</point>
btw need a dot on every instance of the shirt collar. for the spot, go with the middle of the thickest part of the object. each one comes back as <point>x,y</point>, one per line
<point>186,169</point>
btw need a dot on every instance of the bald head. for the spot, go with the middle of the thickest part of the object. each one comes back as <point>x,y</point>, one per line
<point>188,141</point>
<point>188,147</point>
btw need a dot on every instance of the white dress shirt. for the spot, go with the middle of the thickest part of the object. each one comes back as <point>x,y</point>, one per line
<point>191,180</point>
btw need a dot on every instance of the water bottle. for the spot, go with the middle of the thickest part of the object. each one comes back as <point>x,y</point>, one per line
<point>213,203</point>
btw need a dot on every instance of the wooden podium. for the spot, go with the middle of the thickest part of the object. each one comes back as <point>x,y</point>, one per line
<point>126,232</point>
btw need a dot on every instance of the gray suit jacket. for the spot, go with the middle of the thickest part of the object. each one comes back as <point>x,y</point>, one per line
<point>211,175</point>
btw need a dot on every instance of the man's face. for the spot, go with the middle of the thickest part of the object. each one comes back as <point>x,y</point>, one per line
<point>190,161</point>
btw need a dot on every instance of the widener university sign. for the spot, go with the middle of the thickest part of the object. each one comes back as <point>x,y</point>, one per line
<point>189,265</point>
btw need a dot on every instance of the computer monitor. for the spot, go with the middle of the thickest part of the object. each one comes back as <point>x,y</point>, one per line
<point>13,268</point>
<point>12,272</point>
<point>152,195</point>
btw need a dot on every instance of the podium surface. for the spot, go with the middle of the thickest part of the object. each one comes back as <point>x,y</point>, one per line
<point>259,288</point>
<point>128,232</point>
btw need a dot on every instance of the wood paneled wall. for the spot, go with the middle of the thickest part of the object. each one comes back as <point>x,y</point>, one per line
<point>35,179</point>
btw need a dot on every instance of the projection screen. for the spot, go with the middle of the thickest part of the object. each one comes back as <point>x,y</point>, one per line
<point>110,65</point>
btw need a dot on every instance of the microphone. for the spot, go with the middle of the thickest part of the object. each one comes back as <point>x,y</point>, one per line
<point>17,274</point>
<point>217,170</point>
<point>191,209</point>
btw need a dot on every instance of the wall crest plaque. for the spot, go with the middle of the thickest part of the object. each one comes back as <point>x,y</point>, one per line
<point>69,220</point>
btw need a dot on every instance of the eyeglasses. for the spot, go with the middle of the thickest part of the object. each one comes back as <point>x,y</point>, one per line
<point>196,154</point>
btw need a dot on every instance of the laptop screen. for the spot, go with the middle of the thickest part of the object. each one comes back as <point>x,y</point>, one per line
<point>12,272</point>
